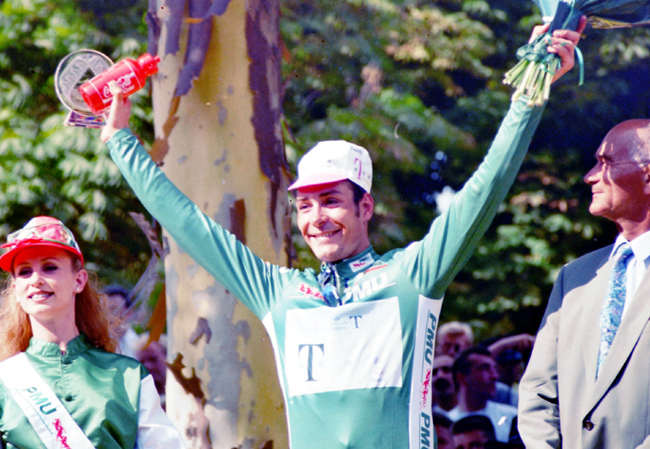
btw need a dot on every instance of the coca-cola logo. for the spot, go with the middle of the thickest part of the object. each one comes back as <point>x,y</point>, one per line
<point>125,82</point>
<point>60,434</point>
<point>425,388</point>
<point>310,291</point>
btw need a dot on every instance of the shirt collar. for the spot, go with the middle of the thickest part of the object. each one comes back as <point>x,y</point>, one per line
<point>348,268</point>
<point>640,245</point>
<point>44,348</point>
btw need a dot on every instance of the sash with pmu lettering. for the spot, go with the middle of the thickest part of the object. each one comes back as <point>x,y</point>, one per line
<point>43,409</point>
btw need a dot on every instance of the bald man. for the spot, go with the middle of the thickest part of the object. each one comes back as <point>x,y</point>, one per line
<point>592,351</point>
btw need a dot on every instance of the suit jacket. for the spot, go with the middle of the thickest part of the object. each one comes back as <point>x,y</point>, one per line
<point>561,403</point>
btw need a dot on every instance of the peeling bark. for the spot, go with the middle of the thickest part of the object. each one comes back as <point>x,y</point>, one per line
<point>160,147</point>
<point>212,126</point>
<point>262,36</point>
<point>198,428</point>
<point>202,330</point>
<point>174,14</point>
<point>153,27</point>
<point>198,40</point>
<point>191,385</point>
<point>200,14</point>
<point>238,220</point>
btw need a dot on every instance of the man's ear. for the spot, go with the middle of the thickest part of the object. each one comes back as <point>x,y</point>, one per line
<point>646,178</point>
<point>366,206</point>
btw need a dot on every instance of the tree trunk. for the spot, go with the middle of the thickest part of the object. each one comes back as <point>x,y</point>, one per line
<point>221,144</point>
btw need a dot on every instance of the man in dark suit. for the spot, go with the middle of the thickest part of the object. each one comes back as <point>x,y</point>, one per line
<point>587,384</point>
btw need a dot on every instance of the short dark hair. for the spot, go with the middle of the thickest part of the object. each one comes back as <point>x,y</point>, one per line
<point>441,420</point>
<point>463,365</point>
<point>357,192</point>
<point>474,422</point>
<point>118,290</point>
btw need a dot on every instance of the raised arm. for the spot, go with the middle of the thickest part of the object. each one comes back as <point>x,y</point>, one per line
<point>433,262</point>
<point>256,283</point>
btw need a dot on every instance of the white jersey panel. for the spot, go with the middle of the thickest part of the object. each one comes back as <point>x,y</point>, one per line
<point>354,346</point>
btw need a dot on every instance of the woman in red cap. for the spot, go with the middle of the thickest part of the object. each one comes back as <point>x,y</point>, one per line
<point>61,386</point>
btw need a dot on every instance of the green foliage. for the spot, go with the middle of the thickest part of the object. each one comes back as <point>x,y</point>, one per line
<point>419,85</point>
<point>545,221</point>
<point>357,72</point>
<point>49,169</point>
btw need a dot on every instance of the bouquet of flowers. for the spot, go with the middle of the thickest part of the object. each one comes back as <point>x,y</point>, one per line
<point>533,73</point>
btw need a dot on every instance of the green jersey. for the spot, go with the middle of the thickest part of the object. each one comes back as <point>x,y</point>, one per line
<point>111,397</point>
<point>356,375</point>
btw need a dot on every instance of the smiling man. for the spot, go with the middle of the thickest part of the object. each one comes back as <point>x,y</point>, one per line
<point>592,350</point>
<point>333,200</point>
<point>354,343</point>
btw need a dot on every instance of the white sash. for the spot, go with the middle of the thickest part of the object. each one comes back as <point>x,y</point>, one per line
<point>43,409</point>
<point>421,429</point>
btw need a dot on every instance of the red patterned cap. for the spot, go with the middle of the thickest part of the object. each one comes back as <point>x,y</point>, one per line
<point>39,231</point>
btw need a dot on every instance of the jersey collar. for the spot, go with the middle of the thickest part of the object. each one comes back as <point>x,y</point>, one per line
<point>349,268</point>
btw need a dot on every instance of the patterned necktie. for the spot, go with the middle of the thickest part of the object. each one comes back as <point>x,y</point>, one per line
<point>610,314</point>
<point>329,282</point>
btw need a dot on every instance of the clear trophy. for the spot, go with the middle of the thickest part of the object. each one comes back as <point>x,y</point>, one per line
<point>73,70</point>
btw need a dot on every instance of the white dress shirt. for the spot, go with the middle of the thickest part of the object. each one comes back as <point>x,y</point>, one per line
<point>636,266</point>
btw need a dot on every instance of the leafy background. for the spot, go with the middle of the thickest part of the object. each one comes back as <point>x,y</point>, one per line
<point>417,83</point>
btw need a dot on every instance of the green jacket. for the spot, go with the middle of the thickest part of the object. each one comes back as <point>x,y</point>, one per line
<point>111,397</point>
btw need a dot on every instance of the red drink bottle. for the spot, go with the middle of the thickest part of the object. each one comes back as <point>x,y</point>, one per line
<point>130,76</point>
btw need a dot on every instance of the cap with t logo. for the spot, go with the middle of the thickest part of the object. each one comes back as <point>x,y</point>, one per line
<point>332,161</point>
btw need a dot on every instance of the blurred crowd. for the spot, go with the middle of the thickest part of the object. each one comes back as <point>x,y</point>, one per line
<point>474,388</point>
<point>152,354</point>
